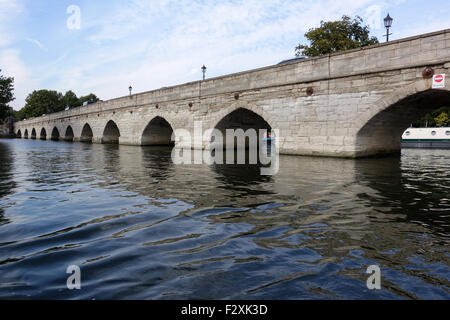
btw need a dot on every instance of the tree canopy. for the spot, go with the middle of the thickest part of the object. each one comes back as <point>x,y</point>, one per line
<point>90,97</point>
<point>435,118</point>
<point>47,101</point>
<point>6,95</point>
<point>442,120</point>
<point>334,36</point>
<point>42,102</point>
<point>70,100</point>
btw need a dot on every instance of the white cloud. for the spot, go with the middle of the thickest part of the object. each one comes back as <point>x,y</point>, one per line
<point>422,28</point>
<point>166,43</point>
<point>9,10</point>
<point>12,65</point>
<point>197,31</point>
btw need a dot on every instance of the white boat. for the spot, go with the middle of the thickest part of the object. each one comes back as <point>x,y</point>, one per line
<point>438,138</point>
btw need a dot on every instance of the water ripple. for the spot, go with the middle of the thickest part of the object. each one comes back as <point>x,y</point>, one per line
<point>141,227</point>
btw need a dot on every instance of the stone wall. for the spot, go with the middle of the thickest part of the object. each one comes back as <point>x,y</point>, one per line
<point>348,104</point>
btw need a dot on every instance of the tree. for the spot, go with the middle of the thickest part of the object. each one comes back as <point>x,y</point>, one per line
<point>46,101</point>
<point>42,102</point>
<point>442,120</point>
<point>431,118</point>
<point>6,96</point>
<point>334,36</point>
<point>18,115</point>
<point>91,97</point>
<point>70,100</point>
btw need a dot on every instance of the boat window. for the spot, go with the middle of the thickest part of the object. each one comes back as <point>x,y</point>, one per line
<point>433,133</point>
<point>407,133</point>
<point>447,133</point>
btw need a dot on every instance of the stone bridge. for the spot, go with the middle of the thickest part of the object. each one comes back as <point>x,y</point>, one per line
<point>349,104</point>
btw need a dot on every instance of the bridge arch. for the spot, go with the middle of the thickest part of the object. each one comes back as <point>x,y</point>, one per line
<point>33,134</point>
<point>69,136</point>
<point>111,133</point>
<point>86,134</point>
<point>381,128</point>
<point>19,134</point>
<point>242,118</point>
<point>55,134</point>
<point>25,134</point>
<point>43,135</point>
<point>249,110</point>
<point>158,132</point>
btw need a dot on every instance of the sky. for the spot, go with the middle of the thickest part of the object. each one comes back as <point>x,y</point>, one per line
<point>104,46</point>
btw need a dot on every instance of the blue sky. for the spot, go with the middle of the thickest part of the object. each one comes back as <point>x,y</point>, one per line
<point>150,44</point>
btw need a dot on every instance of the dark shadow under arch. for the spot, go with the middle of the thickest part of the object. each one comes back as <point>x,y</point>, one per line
<point>33,134</point>
<point>69,134</point>
<point>382,134</point>
<point>86,134</point>
<point>19,134</point>
<point>111,134</point>
<point>25,135</point>
<point>55,134</point>
<point>244,119</point>
<point>157,133</point>
<point>43,135</point>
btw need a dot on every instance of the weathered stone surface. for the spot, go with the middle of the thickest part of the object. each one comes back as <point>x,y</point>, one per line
<point>362,101</point>
<point>7,129</point>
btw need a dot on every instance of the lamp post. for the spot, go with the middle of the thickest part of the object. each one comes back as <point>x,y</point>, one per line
<point>388,24</point>
<point>204,71</point>
<point>130,88</point>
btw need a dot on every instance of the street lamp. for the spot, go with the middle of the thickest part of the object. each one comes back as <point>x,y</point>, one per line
<point>204,71</point>
<point>130,88</point>
<point>388,24</point>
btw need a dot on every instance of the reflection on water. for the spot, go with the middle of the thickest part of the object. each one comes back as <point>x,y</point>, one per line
<point>7,183</point>
<point>141,227</point>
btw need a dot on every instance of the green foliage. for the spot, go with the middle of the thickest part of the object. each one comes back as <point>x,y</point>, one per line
<point>431,119</point>
<point>91,97</point>
<point>42,102</point>
<point>442,120</point>
<point>70,100</point>
<point>47,101</point>
<point>17,115</point>
<point>6,96</point>
<point>39,102</point>
<point>334,36</point>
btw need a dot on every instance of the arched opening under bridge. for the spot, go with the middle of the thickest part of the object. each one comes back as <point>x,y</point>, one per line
<point>157,133</point>
<point>382,133</point>
<point>86,134</point>
<point>111,134</point>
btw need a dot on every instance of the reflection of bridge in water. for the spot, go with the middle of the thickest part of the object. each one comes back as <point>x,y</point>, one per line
<point>343,213</point>
<point>367,187</point>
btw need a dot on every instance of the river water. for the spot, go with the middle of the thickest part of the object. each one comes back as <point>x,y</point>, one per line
<point>141,227</point>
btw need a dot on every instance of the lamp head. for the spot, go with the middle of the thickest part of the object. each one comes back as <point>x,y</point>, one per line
<point>388,21</point>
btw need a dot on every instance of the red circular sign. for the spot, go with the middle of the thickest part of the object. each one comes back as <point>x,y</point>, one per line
<point>438,78</point>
